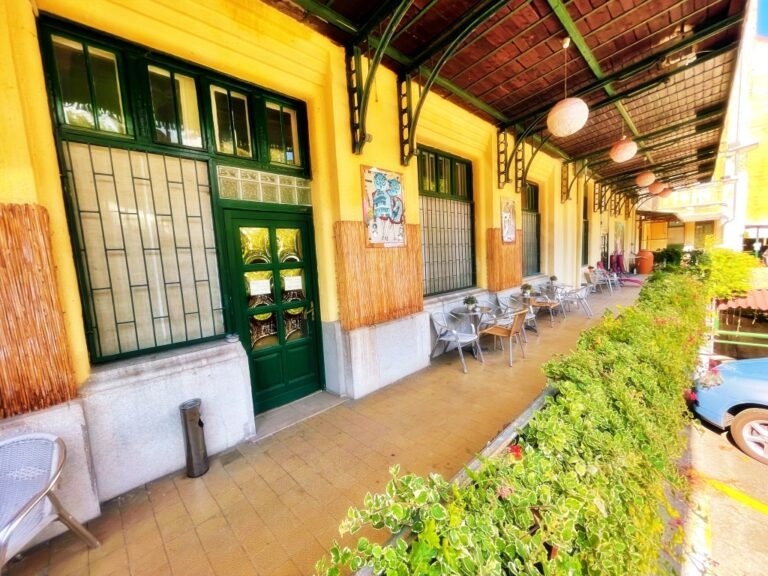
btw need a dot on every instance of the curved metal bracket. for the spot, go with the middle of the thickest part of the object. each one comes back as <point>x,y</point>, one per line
<point>502,142</point>
<point>504,177</point>
<point>567,196</point>
<point>359,94</point>
<point>409,116</point>
<point>597,198</point>
<point>528,164</point>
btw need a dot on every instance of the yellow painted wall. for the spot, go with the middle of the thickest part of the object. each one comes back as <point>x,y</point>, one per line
<point>28,165</point>
<point>757,161</point>
<point>258,44</point>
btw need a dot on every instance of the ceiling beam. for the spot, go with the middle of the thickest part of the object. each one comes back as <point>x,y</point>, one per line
<point>653,82</point>
<point>383,11</point>
<point>581,45</point>
<point>713,113</point>
<point>325,13</point>
<point>468,22</point>
<point>335,19</point>
<point>419,15</point>
<point>642,65</point>
<point>674,141</point>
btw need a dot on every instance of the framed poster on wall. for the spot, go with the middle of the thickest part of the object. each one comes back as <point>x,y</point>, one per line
<point>507,220</point>
<point>383,207</point>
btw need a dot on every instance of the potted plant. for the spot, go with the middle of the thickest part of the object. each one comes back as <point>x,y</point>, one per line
<point>552,279</point>
<point>526,289</point>
<point>470,302</point>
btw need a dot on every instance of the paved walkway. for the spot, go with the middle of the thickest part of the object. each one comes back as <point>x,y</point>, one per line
<point>729,535</point>
<point>273,506</point>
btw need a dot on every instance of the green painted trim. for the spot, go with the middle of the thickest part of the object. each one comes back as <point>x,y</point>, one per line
<point>230,220</point>
<point>742,334</point>
<point>570,26</point>
<point>468,21</point>
<point>661,132</point>
<point>643,65</point>
<point>330,16</point>
<point>454,198</point>
<point>737,343</point>
<point>133,61</point>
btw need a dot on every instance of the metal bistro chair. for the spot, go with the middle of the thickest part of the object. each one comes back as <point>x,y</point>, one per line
<point>446,327</point>
<point>30,466</point>
<point>578,296</point>
<point>553,305</point>
<point>508,326</point>
<point>598,279</point>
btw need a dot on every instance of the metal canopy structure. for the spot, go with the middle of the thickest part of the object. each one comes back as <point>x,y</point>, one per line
<point>657,71</point>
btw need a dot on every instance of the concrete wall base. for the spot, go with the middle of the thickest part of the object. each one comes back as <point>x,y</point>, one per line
<point>77,486</point>
<point>132,410</point>
<point>361,361</point>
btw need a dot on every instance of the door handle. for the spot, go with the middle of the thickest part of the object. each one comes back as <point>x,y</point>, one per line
<point>310,311</point>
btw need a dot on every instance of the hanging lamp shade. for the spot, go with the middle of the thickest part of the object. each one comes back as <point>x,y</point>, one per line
<point>645,179</point>
<point>656,188</point>
<point>666,192</point>
<point>625,149</point>
<point>567,117</point>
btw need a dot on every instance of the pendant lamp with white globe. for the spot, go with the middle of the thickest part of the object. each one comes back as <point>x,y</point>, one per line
<point>570,114</point>
<point>657,188</point>
<point>645,179</point>
<point>625,149</point>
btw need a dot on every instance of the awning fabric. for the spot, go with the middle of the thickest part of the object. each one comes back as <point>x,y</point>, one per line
<point>752,300</point>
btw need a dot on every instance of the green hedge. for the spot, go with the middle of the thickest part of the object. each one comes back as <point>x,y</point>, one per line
<point>582,490</point>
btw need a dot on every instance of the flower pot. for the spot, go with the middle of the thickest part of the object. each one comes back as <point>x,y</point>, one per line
<point>644,262</point>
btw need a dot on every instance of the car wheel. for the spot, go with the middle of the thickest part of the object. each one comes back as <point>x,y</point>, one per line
<point>750,432</point>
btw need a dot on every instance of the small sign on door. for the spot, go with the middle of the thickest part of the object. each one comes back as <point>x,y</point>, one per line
<point>293,283</point>
<point>259,287</point>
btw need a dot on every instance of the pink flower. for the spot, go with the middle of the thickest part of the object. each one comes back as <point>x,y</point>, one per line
<point>690,396</point>
<point>516,451</point>
<point>504,492</point>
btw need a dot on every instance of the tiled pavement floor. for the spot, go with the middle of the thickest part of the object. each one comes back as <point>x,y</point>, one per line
<point>272,507</point>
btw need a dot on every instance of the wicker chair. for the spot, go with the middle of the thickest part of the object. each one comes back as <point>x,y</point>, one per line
<point>30,466</point>
<point>508,326</point>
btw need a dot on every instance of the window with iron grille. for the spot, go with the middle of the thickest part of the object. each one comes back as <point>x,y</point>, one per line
<point>585,230</point>
<point>447,232</point>
<point>139,136</point>
<point>531,230</point>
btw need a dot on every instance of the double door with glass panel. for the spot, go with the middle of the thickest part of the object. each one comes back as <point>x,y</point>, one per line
<point>272,288</point>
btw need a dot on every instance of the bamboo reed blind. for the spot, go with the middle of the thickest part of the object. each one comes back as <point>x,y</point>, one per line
<point>376,284</point>
<point>505,261</point>
<point>35,367</point>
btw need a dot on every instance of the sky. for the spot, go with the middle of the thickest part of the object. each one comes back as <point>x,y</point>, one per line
<point>762,18</point>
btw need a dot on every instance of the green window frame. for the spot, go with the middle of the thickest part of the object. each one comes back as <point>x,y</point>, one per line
<point>236,118</point>
<point>176,115</point>
<point>133,63</point>
<point>531,226</point>
<point>92,111</point>
<point>585,229</point>
<point>447,222</point>
<point>152,237</point>
<point>282,128</point>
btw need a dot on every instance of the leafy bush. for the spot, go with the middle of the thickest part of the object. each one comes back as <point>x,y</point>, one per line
<point>727,272</point>
<point>582,489</point>
<point>670,256</point>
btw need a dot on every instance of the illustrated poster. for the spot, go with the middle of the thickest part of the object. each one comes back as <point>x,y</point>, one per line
<point>507,220</point>
<point>383,207</point>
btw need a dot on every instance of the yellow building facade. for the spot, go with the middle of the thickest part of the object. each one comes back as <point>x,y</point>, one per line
<point>256,44</point>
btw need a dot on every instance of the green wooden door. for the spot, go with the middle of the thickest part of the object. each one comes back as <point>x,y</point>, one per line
<point>272,290</point>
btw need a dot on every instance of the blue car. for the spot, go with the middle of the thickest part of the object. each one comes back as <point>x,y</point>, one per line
<point>739,402</point>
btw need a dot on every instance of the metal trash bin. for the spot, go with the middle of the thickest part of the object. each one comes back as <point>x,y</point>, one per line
<point>194,438</point>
